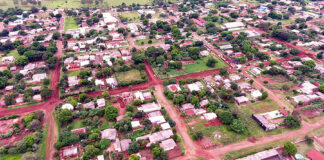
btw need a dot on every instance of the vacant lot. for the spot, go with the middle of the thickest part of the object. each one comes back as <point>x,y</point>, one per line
<point>70,23</point>
<point>146,41</point>
<point>225,135</point>
<point>130,16</point>
<point>198,66</point>
<point>132,75</point>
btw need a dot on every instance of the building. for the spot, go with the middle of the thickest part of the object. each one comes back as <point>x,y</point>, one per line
<point>241,100</point>
<point>149,107</point>
<point>39,77</point>
<point>271,154</point>
<point>67,106</point>
<point>232,26</point>
<point>101,102</point>
<point>90,105</point>
<point>315,155</point>
<point>174,87</point>
<point>69,152</point>
<point>122,146</point>
<point>112,82</point>
<point>256,94</point>
<point>110,134</point>
<point>168,144</point>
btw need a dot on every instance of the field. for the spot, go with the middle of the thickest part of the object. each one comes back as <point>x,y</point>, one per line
<point>11,157</point>
<point>73,73</point>
<point>52,4</point>
<point>145,41</point>
<point>130,16</point>
<point>70,23</point>
<point>132,75</point>
<point>198,66</point>
<point>245,114</point>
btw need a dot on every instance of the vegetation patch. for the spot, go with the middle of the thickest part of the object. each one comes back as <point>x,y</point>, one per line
<point>70,23</point>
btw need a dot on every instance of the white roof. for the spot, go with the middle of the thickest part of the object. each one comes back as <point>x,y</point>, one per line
<point>230,25</point>
<point>165,126</point>
<point>67,106</point>
<point>210,116</point>
<point>256,94</point>
<point>157,119</point>
<point>135,124</point>
<point>168,144</point>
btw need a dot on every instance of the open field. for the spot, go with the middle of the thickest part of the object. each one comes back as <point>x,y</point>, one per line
<point>198,66</point>
<point>73,73</point>
<point>70,23</point>
<point>77,124</point>
<point>11,53</point>
<point>145,41</point>
<point>130,16</point>
<point>132,75</point>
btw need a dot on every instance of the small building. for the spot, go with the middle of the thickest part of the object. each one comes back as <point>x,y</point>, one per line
<point>39,77</point>
<point>112,82</point>
<point>8,59</point>
<point>90,105</point>
<point>241,100</point>
<point>264,155</point>
<point>232,26</point>
<point>67,106</point>
<point>187,106</point>
<point>139,95</point>
<point>69,152</point>
<point>256,94</point>
<point>210,116</point>
<point>315,155</point>
<point>110,134</point>
<point>122,146</point>
<point>135,124</point>
<point>168,144</point>
<point>149,107</point>
<point>101,102</point>
<point>37,97</point>
<point>197,86</point>
<point>79,130</point>
<point>174,87</point>
<point>165,126</point>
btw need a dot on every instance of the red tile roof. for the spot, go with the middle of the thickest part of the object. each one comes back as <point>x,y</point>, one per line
<point>315,155</point>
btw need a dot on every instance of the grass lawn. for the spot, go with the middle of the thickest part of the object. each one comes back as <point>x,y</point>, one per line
<point>24,105</point>
<point>145,41</point>
<point>198,66</point>
<point>132,75</point>
<point>77,124</point>
<point>41,151</point>
<point>73,73</point>
<point>10,156</point>
<point>70,23</point>
<point>131,16</point>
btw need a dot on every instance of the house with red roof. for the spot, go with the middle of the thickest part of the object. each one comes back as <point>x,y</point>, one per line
<point>315,155</point>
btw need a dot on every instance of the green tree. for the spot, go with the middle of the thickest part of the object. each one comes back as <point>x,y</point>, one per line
<point>46,92</point>
<point>211,62</point>
<point>290,148</point>
<point>238,126</point>
<point>291,122</point>
<point>21,61</point>
<point>134,157</point>
<point>226,117</point>
<point>65,116</point>
<point>321,88</point>
<point>111,113</point>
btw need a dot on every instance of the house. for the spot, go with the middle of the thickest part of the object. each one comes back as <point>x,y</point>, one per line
<point>168,144</point>
<point>204,53</point>
<point>69,152</point>
<point>315,155</point>
<point>99,82</point>
<point>197,86</point>
<point>264,122</point>
<point>244,85</point>
<point>187,106</point>
<point>67,106</point>
<point>264,155</point>
<point>39,77</point>
<point>174,87</point>
<point>304,99</point>
<point>108,18</point>
<point>255,71</point>
<point>9,88</point>
<point>165,126</point>
<point>110,134</point>
<point>90,105</point>
<point>234,77</point>
<point>73,81</point>
<point>37,97</point>
<point>160,136</point>
<point>149,107</point>
<point>157,119</point>
<point>256,94</point>
<point>122,145</point>
<point>112,82</point>
<point>147,95</point>
<point>101,102</point>
<point>139,95</point>
<point>232,26</point>
<point>135,124</point>
<point>8,59</point>
<point>204,103</point>
<point>210,116</point>
<point>241,99</point>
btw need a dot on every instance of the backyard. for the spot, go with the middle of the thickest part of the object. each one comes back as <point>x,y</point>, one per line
<point>146,41</point>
